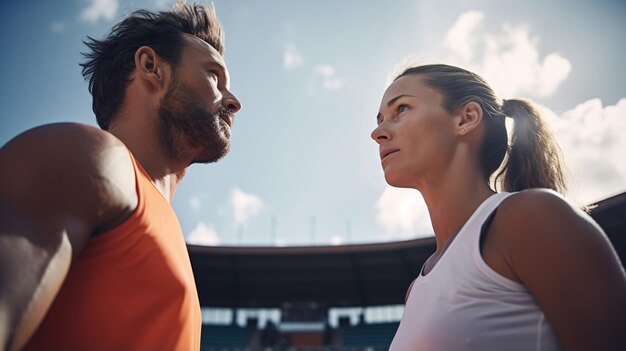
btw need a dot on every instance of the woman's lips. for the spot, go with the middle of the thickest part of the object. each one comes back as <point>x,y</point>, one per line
<point>384,153</point>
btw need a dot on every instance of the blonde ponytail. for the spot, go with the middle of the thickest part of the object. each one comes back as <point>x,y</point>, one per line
<point>534,159</point>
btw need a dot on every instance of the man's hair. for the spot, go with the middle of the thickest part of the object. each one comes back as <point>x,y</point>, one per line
<point>112,59</point>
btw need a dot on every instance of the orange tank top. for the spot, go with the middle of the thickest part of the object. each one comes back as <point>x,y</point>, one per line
<point>132,287</point>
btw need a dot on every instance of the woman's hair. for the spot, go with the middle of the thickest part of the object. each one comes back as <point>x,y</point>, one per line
<point>112,59</point>
<point>530,159</point>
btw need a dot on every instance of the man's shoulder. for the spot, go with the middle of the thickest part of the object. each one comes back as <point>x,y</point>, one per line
<point>69,167</point>
<point>59,135</point>
<point>76,146</point>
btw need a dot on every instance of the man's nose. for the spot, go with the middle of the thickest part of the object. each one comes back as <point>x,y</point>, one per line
<point>231,103</point>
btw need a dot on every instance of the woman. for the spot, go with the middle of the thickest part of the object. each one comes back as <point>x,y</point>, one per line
<point>515,270</point>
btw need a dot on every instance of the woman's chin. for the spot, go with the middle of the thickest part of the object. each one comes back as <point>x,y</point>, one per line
<point>396,181</point>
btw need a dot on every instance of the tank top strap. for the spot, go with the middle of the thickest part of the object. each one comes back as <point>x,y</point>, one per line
<point>483,212</point>
<point>468,234</point>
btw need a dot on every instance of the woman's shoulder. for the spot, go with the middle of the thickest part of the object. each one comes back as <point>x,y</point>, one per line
<point>537,229</point>
<point>550,246</point>
<point>535,196</point>
<point>537,203</point>
<point>542,216</point>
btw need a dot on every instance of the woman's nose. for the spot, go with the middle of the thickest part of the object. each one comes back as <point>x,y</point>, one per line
<point>380,135</point>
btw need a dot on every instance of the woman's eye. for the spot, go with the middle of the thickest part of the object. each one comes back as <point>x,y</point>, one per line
<point>401,108</point>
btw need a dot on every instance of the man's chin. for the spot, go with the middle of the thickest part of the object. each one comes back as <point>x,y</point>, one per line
<point>211,156</point>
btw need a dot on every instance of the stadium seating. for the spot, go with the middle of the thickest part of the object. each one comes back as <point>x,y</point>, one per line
<point>231,337</point>
<point>377,335</point>
<point>362,337</point>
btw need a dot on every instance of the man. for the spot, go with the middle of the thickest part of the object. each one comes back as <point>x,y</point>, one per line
<point>92,256</point>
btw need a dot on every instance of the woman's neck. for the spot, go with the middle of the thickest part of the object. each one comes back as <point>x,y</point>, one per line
<point>452,200</point>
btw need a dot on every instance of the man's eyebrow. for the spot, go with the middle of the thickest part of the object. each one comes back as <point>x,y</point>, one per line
<point>391,102</point>
<point>213,63</point>
<point>221,66</point>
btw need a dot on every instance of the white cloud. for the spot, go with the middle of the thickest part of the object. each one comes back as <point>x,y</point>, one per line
<point>404,212</point>
<point>325,76</point>
<point>99,9</point>
<point>195,203</point>
<point>509,60</point>
<point>336,240</point>
<point>291,58</point>
<point>513,66</point>
<point>592,138</point>
<point>203,234</point>
<point>58,27</point>
<point>325,71</point>
<point>460,38</point>
<point>554,70</point>
<point>244,205</point>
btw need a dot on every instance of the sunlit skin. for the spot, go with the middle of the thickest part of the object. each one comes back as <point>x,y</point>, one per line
<point>415,133</point>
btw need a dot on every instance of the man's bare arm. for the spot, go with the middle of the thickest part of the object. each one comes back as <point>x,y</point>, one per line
<point>58,184</point>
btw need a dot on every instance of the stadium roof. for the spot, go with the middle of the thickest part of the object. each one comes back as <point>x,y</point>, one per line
<point>334,276</point>
<point>610,214</point>
<point>351,275</point>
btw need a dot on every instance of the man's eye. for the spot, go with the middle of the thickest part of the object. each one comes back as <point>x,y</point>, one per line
<point>212,74</point>
<point>401,108</point>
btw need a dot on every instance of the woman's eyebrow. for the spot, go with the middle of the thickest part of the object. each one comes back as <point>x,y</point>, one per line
<point>391,102</point>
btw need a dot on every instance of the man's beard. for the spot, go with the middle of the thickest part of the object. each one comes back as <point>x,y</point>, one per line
<point>188,129</point>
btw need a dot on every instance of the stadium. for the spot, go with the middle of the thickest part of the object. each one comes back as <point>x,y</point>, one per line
<point>323,298</point>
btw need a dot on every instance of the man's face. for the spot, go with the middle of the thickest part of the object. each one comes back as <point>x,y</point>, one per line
<point>197,111</point>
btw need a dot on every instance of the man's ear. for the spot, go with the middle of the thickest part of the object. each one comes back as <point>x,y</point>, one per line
<point>150,67</point>
<point>470,116</point>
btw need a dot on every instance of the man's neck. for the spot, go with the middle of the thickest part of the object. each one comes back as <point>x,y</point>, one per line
<point>165,173</point>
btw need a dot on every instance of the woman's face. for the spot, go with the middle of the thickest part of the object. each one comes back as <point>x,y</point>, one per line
<point>415,134</point>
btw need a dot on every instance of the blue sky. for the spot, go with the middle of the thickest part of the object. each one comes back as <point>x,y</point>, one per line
<point>303,169</point>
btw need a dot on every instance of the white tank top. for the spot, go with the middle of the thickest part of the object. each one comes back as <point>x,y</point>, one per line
<point>463,304</point>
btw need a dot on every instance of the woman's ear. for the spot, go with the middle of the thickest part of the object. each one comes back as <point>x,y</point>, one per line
<point>150,67</point>
<point>471,114</point>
